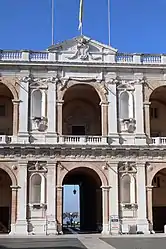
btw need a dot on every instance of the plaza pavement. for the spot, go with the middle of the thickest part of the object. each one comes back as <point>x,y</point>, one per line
<point>84,241</point>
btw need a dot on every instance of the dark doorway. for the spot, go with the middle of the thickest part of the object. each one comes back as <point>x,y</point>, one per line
<point>78,130</point>
<point>90,198</point>
<point>159,218</point>
<point>5,202</point>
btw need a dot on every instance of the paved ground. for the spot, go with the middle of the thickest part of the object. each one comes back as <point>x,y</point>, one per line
<point>137,243</point>
<point>47,243</point>
<point>89,241</point>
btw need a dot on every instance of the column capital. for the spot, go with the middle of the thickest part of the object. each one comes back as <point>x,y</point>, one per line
<point>146,104</point>
<point>149,188</point>
<point>60,188</point>
<point>60,102</point>
<point>14,188</point>
<point>16,101</point>
<point>106,188</point>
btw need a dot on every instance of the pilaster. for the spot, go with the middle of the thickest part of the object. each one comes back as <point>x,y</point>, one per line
<point>113,195</point>
<point>59,206</point>
<point>105,202</point>
<point>23,107</point>
<point>21,223</point>
<point>142,223</point>
<point>51,198</point>
<point>112,113</point>
<point>14,209</point>
<point>59,116</point>
<point>51,135</point>
<point>147,118</point>
<point>139,115</point>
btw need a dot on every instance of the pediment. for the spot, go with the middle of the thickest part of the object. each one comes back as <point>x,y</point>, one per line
<point>82,48</point>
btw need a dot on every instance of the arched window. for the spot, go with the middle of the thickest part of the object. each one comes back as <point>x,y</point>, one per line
<point>36,104</point>
<point>37,182</point>
<point>127,189</point>
<point>126,105</point>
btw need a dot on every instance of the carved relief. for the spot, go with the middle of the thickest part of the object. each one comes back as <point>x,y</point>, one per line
<point>82,51</point>
<point>38,167</point>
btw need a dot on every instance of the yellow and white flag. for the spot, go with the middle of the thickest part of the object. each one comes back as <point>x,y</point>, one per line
<point>81,14</point>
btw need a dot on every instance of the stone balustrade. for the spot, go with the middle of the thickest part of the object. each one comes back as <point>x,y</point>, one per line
<point>77,140</point>
<point>46,56</point>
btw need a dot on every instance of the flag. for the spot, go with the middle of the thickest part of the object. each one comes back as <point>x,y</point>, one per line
<point>81,14</point>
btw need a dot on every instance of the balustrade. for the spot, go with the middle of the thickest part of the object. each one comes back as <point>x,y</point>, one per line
<point>125,58</point>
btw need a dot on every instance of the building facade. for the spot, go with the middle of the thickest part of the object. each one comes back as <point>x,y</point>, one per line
<point>82,113</point>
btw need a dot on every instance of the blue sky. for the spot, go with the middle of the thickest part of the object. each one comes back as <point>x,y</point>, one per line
<point>136,25</point>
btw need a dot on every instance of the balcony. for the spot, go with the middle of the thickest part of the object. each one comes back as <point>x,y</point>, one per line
<point>83,140</point>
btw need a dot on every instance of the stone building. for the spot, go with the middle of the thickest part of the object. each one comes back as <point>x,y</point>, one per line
<point>82,113</point>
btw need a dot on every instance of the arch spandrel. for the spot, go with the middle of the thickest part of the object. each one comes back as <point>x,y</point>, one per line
<point>10,173</point>
<point>9,83</point>
<point>97,86</point>
<point>152,170</point>
<point>65,168</point>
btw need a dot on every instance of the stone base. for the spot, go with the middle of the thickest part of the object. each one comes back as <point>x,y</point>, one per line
<point>20,228</point>
<point>51,138</point>
<point>113,139</point>
<point>37,227</point>
<point>140,139</point>
<point>143,226</point>
<point>23,138</point>
<point>105,230</point>
<point>51,228</point>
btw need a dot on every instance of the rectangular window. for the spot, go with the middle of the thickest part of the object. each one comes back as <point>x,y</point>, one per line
<point>2,110</point>
<point>154,112</point>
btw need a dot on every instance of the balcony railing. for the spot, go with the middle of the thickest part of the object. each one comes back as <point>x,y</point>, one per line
<point>46,56</point>
<point>77,140</point>
<point>159,140</point>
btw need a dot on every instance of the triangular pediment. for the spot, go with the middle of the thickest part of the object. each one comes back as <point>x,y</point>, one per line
<point>72,44</point>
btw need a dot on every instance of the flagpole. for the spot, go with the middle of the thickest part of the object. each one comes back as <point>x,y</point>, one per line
<point>109,23</point>
<point>52,16</point>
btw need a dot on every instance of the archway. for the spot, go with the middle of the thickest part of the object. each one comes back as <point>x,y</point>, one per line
<point>6,110</point>
<point>157,112</point>
<point>159,200</point>
<point>5,201</point>
<point>81,111</point>
<point>89,183</point>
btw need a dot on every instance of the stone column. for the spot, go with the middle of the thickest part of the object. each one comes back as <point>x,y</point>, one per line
<point>51,135</point>
<point>105,202</point>
<point>23,109</point>
<point>21,224</point>
<point>59,116</point>
<point>104,119</point>
<point>15,116</point>
<point>13,209</point>
<point>59,206</point>
<point>139,115</point>
<point>113,196</point>
<point>149,190</point>
<point>142,223</point>
<point>51,198</point>
<point>147,118</point>
<point>99,208</point>
<point>112,113</point>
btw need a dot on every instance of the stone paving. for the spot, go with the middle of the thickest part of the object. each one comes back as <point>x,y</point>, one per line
<point>89,241</point>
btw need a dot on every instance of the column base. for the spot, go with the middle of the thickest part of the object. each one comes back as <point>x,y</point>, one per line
<point>51,228</point>
<point>37,227</point>
<point>51,138</point>
<point>140,139</point>
<point>113,139</point>
<point>23,137</point>
<point>143,226</point>
<point>105,230</point>
<point>20,228</point>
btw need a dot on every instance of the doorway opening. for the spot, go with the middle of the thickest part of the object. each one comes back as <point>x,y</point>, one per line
<point>159,201</point>
<point>5,202</point>
<point>90,199</point>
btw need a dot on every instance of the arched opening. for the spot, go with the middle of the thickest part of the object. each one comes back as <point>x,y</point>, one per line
<point>90,194</point>
<point>6,111</point>
<point>159,200</point>
<point>157,112</point>
<point>81,111</point>
<point>5,202</point>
